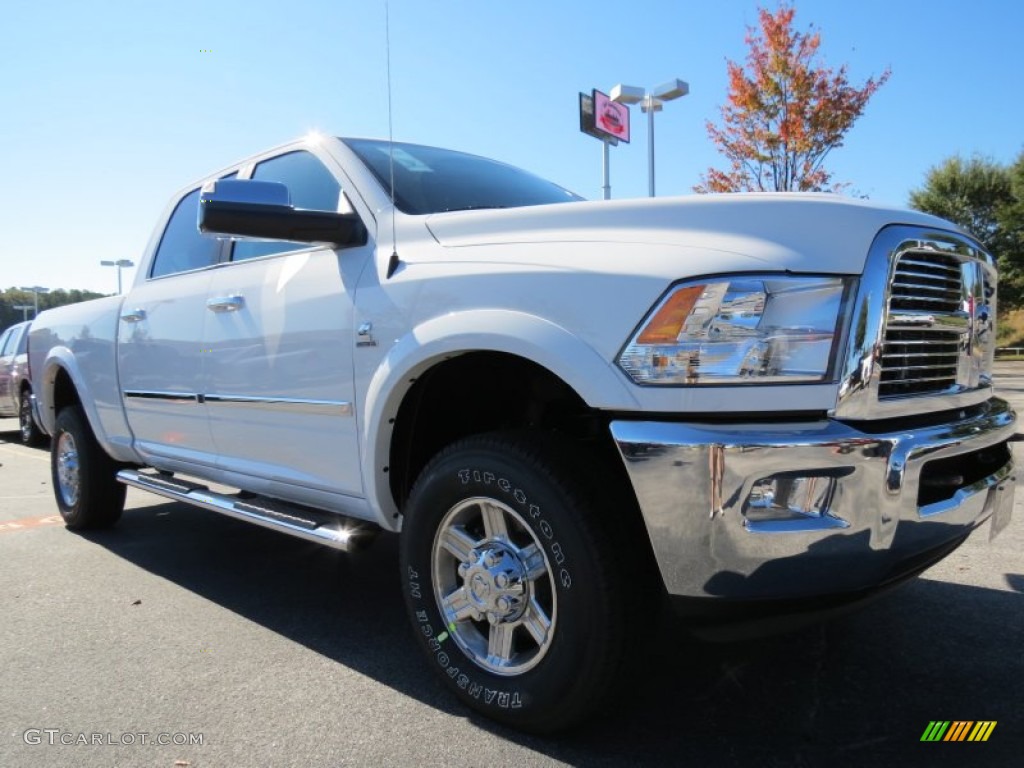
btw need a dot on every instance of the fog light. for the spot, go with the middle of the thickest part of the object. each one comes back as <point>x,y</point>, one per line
<point>789,497</point>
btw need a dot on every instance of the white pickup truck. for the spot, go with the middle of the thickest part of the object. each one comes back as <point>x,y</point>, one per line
<point>573,412</point>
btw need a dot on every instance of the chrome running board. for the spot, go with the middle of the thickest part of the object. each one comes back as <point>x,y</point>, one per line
<point>305,523</point>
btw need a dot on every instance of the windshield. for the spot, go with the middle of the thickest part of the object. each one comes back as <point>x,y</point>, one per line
<point>432,180</point>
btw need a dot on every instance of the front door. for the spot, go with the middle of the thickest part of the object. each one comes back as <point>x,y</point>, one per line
<point>279,333</point>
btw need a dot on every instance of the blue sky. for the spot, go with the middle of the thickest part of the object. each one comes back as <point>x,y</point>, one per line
<point>107,107</point>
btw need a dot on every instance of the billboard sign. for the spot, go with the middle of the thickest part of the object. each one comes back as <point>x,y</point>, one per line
<point>588,120</point>
<point>610,117</point>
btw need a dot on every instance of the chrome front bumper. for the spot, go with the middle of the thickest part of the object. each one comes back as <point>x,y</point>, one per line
<point>699,488</point>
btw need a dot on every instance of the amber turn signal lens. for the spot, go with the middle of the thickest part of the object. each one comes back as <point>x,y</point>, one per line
<point>665,326</point>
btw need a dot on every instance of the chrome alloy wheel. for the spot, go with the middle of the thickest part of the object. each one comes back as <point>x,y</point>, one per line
<point>67,469</point>
<point>494,586</point>
<point>25,425</point>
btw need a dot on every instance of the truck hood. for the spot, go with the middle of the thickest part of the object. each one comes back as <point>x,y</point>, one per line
<point>808,231</point>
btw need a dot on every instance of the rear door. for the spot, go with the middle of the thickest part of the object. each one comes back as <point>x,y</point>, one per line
<point>279,335</point>
<point>160,351</point>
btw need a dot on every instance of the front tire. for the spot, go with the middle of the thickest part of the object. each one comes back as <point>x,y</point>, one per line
<point>512,581</point>
<point>31,435</point>
<point>84,476</point>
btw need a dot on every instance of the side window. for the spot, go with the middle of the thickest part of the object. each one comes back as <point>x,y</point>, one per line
<point>10,342</point>
<point>182,247</point>
<point>312,187</point>
<point>23,342</point>
<point>4,339</point>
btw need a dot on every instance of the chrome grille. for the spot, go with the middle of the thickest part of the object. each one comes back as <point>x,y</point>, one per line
<point>926,290</point>
<point>921,336</point>
<point>928,282</point>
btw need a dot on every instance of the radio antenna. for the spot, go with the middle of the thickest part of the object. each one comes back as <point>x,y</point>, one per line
<point>394,261</point>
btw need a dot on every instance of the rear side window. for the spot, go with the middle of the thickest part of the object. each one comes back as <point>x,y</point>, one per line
<point>8,335</point>
<point>11,343</point>
<point>312,187</point>
<point>182,247</point>
<point>23,342</point>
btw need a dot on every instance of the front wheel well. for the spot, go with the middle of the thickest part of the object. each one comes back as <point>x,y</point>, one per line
<point>479,392</point>
<point>493,392</point>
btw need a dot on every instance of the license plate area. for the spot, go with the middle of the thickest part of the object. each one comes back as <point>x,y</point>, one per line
<point>1002,500</point>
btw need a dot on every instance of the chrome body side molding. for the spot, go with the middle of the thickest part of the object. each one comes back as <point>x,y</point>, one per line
<point>184,398</point>
<point>288,404</point>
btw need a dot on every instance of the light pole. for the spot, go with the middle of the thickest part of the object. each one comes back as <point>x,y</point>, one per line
<point>120,264</point>
<point>24,310</point>
<point>36,290</point>
<point>650,102</point>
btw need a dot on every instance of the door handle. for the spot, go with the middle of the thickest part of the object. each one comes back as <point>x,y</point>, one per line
<point>133,315</point>
<point>225,303</point>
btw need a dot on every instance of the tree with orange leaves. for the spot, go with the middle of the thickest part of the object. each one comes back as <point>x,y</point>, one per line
<point>785,112</point>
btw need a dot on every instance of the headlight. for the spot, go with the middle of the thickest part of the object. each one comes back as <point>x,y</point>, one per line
<point>756,329</point>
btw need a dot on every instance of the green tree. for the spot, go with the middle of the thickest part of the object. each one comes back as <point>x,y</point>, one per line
<point>970,193</point>
<point>1011,218</point>
<point>14,297</point>
<point>785,112</point>
<point>987,200</point>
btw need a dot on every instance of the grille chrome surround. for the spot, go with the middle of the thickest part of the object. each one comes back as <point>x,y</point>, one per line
<point>922,337</point>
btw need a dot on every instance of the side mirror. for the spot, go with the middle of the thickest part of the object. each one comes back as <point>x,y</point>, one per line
<point>263,210</point>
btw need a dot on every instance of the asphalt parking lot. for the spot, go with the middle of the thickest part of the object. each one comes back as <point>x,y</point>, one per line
<point>180,624</point>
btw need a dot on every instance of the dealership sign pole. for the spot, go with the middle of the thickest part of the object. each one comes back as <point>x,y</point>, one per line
<point>650,103</point>
<point>608,121</point>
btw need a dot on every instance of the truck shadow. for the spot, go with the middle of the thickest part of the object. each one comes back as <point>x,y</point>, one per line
<point>856,691</point>
<point>14,437</point>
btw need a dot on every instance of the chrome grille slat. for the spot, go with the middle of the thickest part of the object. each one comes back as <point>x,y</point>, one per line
<point>934,299</point>
<point>912,355</point>
<point>933,367</point>
<point>899,350</point>
<point>921,379</point>
<point>919,342</point>
<point>922,361</point>
<point>913,274</point>
<point>910,260</point>
<point>944,290</point>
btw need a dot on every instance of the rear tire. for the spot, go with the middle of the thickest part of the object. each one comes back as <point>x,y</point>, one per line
<point>514,581</point>
<point>31,435</point>
<point>84,476</point>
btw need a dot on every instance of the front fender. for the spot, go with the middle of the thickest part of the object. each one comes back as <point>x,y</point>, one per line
<point>540,341</point>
